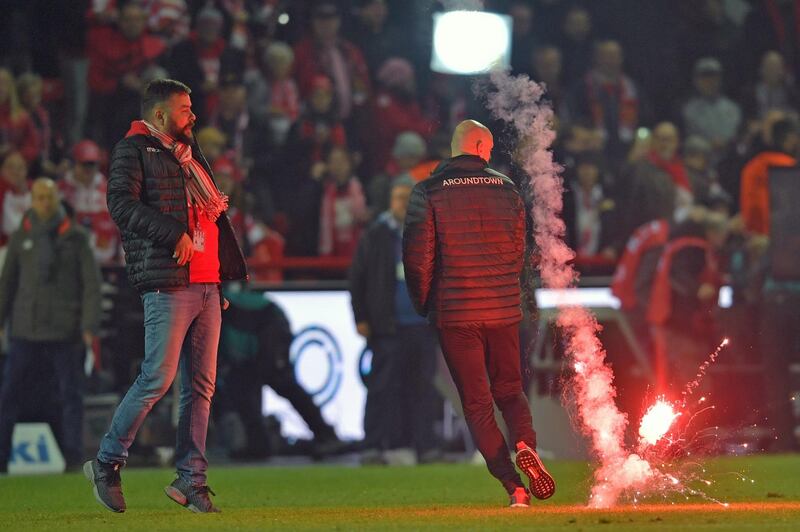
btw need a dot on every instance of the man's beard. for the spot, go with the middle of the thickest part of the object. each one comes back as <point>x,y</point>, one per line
<point>184,135</point>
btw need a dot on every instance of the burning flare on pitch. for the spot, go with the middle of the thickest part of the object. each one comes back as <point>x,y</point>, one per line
<point>518,101</point>
<point>657,421</point>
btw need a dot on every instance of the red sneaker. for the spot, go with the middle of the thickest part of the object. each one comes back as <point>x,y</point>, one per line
<point>521,498</point>
<point>541,483</point>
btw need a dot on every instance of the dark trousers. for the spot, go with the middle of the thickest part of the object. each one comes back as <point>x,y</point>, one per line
<point>23,363</point>
<point>401,397</point>
<point>241,392</point>
<point>780,347</point>
<point>485,365</point>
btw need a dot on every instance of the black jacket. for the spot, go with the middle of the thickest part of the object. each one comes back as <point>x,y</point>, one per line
<point>373,279</point>
<point>147,200</point>
<point>464,244</point>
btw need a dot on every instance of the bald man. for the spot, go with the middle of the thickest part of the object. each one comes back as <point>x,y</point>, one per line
<point>50,292</point>
<point>463,249</point>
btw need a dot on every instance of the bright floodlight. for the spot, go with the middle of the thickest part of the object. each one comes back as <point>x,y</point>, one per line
<point>470,42</point>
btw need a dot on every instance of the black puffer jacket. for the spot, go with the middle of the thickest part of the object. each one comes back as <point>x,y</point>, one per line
<point>463,245</point>
<point>147,200</point>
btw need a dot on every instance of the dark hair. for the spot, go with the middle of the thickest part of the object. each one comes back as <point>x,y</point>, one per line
<point>160,90</point>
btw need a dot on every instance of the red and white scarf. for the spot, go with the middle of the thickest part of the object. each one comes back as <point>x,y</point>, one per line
<point>201,189</point>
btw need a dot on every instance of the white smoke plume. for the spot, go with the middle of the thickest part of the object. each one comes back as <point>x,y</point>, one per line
<point>518,102</point>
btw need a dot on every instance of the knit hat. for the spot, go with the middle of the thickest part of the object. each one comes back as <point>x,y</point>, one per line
<point>707,65</point>
<point>403,180</point>
<point>86,151</point>
<point>696,145</point>
<point>324,9</point>
<point>395,72</point>
<point>321,82</point>
<point>223,165</point>
<point>409,144</point>
<point>210,15</point>
<point>211,135</point>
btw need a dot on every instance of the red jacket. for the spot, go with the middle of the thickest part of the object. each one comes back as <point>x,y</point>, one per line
<point>111,56</point>
<point>463,245</point>
<point>20,132</point>
<point>390,117</point>
<point>646,237</point>
<point>660,307</point>
<point>754,197</point>
<point>308,64</point>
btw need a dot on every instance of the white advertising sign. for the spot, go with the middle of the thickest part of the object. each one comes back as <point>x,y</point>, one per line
<point>326,353</point>
<point>34,450</point>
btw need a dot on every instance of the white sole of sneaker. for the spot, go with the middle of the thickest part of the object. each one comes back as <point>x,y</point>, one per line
<point>179,498</point>
<point>88,472</point>
<point>176,495</point>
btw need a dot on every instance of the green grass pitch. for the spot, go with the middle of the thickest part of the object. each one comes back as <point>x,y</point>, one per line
<point>763,494</point>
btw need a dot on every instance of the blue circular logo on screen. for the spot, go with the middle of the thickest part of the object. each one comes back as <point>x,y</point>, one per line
<point>313,347</point>
<point>365,364</point>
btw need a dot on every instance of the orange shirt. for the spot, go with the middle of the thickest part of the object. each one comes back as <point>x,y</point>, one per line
<point>754,198</point>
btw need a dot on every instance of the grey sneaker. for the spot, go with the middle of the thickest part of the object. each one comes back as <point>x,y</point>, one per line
<point>107,484</point>
<point>193,498</point>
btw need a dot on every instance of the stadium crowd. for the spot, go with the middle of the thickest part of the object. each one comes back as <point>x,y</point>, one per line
<point>669,115</point>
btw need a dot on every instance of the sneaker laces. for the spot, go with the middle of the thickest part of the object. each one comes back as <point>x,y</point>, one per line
<point>204,490</point>
<point>109,474</point>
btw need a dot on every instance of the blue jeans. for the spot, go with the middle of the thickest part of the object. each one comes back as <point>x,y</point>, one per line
<point>181,331</point>
<point>23,365</point>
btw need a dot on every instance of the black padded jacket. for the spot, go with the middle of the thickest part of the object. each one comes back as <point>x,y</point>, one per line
<point>147,200</point>
<point>464,244</point>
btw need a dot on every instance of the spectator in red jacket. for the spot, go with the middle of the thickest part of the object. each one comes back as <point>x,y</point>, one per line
<point>664,155</point>
<point>50,162</point>
<point>202,60</point>
<point>325,52</point>
<point>318,128</point>
<point>395,109</point>
<point>609,99</point>
<point>343,211</point>
<point>168,19</point>
<point>15,196</point>
<point>272,94</point>
<point>17,130</point>
<point>84,187</point>
<point>118,56</point>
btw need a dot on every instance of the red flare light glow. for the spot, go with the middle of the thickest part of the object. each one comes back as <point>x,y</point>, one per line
<point>657,421</point>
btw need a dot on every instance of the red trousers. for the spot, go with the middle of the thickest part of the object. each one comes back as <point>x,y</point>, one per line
<point>485,365</point>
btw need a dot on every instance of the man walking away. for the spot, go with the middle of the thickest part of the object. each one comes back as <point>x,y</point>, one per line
<point>463,251</point>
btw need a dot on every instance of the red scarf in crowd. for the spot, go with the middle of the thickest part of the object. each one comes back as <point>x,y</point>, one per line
<point>673,167</point>
<point>340,241</point>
